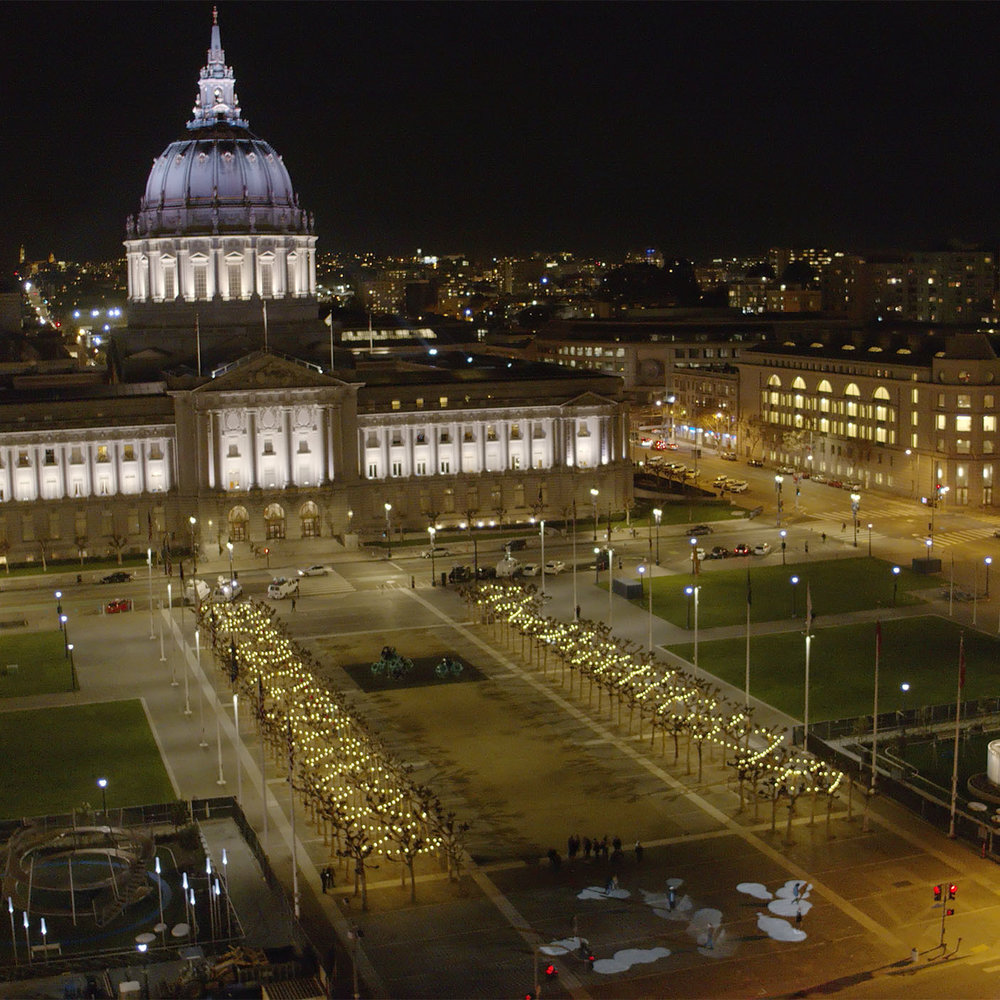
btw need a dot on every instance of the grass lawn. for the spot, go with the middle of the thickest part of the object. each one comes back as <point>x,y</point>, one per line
<point>42,667</point>
<point>837,586</point>
<point>922,652</point>
<point>52,758</point>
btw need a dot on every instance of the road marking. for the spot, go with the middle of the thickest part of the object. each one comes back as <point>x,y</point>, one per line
<point>626,749</point>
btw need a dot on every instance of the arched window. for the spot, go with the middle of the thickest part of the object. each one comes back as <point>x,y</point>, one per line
<point>239,524</point>
<point>824,386</point>
<point>309,516</point>
<point>798,382</point>
<point>274,521</point>
<point>880,393</point>
<point>774,381</point>
<point>852,390</point>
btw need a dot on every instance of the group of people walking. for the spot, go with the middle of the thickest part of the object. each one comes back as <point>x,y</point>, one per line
<point>602,848</point>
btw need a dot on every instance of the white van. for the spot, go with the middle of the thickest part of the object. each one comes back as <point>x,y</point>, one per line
<point>280,587</point>
<point>226,589</point>
<point>508,568</point>
<point>196,591</point>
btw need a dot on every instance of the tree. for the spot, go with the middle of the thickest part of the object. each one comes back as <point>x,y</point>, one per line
<point>118,543</point>
<point>81,547</point>
<point>4,552</point>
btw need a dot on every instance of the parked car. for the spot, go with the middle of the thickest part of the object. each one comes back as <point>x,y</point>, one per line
<point>755,463</point>
<point>720,480</point>
<point>226,589</point>
<point>280,587</point>
<point>487,573</point>
<point>196,591</point>
<point>514,545</point>
<point>118,605</point>
<point>738,486</point>
<point>317,569</point>
<point>719,552</point>
<point>459,574</point>
<point>645,442</point>
<point>119,576</point>
<point>741,549</point>
<point>786,470</point>
<point>728,456</point>
<point>700,529</point>
<point>660,445</point>
<point>530,569</point>
<point>762,548</point>
<point>853,487</point>
<point>699,554</point>
<point>437,552</point>
<point>555,566</point>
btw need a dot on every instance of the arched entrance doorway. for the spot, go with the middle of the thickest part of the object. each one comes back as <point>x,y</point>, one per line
<point>239,524</point>
<point>274,521</point>
<point>309,515</point>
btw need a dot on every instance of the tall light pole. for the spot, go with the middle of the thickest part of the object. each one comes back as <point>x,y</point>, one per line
<point>542,534</point>
<point>694,556</point>
<point>102,784</point>
<point>432,531</point>
<point>594,494</point>
<point>895,583</point>
<point>611,584</point>
<point>784,535</point>
<point>576,605</point>
<point>869,539</point>
<point>149,570</point>
<point>192,520</point>
<point>913,482</point>
<point>989,562</point>
<point>642,573</point>
<point>778,480</point>
<point>229,546</point>
<point>693,592</point>
<point>388,530</point>
<point>855,503</point>
<point>657,514</point>
<point>794,582</point>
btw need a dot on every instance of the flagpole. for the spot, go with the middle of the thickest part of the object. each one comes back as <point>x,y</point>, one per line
<point>748,642</point>
<point>958,719</point>
<point>871,787</point>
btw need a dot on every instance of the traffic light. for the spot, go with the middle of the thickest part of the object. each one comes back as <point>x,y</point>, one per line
<point>937,894</point>
<point>551,971</point>
<point>952,890</point>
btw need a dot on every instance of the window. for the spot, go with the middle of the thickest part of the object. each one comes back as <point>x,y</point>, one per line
<point>303,447</point>
<point>963,446</point>
<point>80,524</point>
<point>515,461</point>
<point>988,401</point>
<point>963,424</point>
<point>55,529</point>
<point>397,468</point>
<point>396,404</point>
<point>266,281</point>
<point>102,453</point>
<point>964,401</point>
<point>235,275</point>
<point>169,292</point>
<point>155,451</point>
<point>445,437</point>
<point>76,455</point>
<point>491,433</point>
<point>128,453</point>
<point>234,451</point>
<point>268,446</point>
<point>515,432</point>
<point>881,412</point>
<point>443,402</point>
<point>445,467</point>
<point>373,470</point>
<point>200,282</point>
<point>420,402</point>
<point>421,468</point>
<point>914,396</point>
<point>989,423</point>
<point>941,421</point>
<point>50,456</point>
<point>449,501</point>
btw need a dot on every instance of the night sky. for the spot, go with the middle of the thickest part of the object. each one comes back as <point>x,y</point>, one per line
<point>702,129</point>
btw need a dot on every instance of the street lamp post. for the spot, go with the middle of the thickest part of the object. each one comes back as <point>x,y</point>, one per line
<point>102,784</point>
<point>192,520</point>
<point>388,530</point>
<point>778,480</point>
<point>694,556</point>
<point>72,667</point>
<point>594,494</point>
<point>895,583</point>
<point>784,535</point>
<point>855,503</point>
<point>432,531</point>
<point>65,628</point>
<point>693,592</point>
<point>869,539</point>
<point>149,569</point>
<point>989,562</point>
<point>229,546</point>
<point>642,573</point>
<point>542,534</point>
<point>59,613</point>
<point>611,584</point>
<point>794,582</point>
<point>657,514</point>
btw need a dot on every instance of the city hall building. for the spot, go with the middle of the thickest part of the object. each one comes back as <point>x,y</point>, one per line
<point>227,403</point>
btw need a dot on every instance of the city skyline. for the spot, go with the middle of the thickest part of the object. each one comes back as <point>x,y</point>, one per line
<point>508,128</point>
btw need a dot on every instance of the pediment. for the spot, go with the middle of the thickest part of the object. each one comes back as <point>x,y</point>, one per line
<point>588,399</point>
<point>265,370</point>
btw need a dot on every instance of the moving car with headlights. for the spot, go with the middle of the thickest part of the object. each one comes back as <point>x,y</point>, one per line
<point>317,569</point>
<point>555,566</point>
<point>119,576</point>
<point>280,587</point>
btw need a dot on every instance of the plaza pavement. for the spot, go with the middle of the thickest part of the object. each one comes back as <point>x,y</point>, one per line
<point>872,891</point>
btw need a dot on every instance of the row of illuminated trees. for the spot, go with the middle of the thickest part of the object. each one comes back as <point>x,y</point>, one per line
<point>672,701</point>
<point>349,782</point>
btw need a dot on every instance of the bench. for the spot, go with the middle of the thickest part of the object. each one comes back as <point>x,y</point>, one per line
<point>8,668</point>
<point>13,622</point>
<point>55,948</point>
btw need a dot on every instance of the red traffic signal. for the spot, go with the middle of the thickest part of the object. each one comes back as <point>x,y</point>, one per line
<point>952,890</point>
<point>551,970</point>
<point>937,894</point>
<point>949,912</point>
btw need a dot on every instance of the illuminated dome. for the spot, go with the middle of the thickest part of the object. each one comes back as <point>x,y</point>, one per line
<point>222,178</point>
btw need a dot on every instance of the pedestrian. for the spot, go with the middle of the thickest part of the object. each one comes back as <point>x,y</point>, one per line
<point>554,859</point>
<point>293,604</point>
<point>324,879</point>
<point>710,937</point>
<point>572,846</point>
<point>671,897</point>
<point>639,851</point>
<point>807,546</point>
<point>617,844</point>
<point>586,847</point>
<point>798,915</point>
<point>823,538</point>
<point>843,526</point>
<point>578,612</point>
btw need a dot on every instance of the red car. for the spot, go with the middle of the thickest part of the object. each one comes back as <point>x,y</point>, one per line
<point>118,605</point>
<point>741,550</point>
